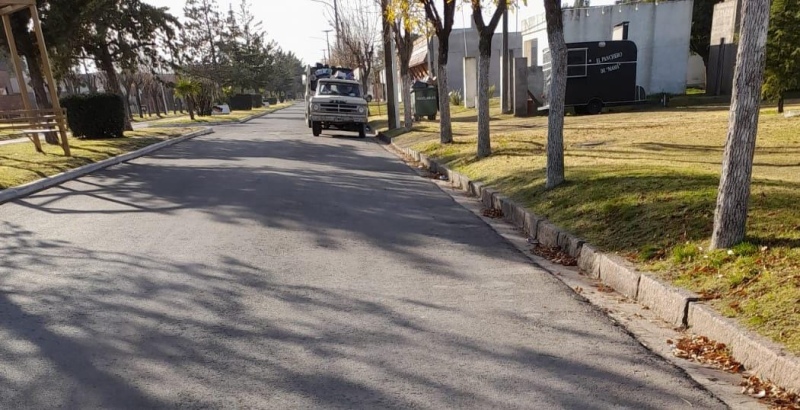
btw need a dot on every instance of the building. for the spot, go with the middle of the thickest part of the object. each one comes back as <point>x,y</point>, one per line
<point>661,31</point>
<point>722,50</point>
<point>463,43</point>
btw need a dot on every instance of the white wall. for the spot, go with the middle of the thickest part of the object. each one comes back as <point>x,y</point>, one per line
<point>661,32</point>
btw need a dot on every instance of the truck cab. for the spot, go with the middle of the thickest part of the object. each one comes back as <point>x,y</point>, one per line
<point>338,104</point>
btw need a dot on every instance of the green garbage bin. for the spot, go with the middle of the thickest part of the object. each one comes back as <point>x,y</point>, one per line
<point>425,103</point>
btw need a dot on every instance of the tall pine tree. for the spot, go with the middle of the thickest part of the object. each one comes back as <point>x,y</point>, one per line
<point>783,50</point>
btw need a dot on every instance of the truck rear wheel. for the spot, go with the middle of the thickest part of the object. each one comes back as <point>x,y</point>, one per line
<point>316,128</point>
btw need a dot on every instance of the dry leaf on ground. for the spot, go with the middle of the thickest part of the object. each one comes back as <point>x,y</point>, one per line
<point>555,255</point>
<point>704,350</point>
<point>493,213</point>
<point>777,398</point>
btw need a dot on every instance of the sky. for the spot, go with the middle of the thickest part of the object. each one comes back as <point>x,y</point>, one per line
<point>297,25</point>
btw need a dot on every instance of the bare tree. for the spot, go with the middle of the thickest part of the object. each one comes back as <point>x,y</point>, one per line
<point>405,21</point>
<point>730,218</point>
<point>556,95</point>
<point>443,26</point>
<point>485,32</point>
<point>358,34</point>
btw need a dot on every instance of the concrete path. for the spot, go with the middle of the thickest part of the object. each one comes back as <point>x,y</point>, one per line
<point>260,267</point>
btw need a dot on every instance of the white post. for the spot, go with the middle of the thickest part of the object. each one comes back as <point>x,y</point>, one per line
<point>470,81</point>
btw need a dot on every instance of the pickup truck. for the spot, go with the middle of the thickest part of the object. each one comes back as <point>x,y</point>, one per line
<point>338,104</point>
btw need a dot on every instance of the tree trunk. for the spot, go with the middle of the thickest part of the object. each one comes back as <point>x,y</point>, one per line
<point>408,119</point>
<point>155,104</point>
<point>190,107</point>
<point>139,100</point>
<point>445,127</point>
<point>126,96</point>
<point>484,139</point>
<point>780,104</point>
<point>38,84</point>
<point>365,81</point>
<point>730,217</point>
<point>558,87</point>
<point>26,47</point>
<point>391,99</point>
<point>107,65</point>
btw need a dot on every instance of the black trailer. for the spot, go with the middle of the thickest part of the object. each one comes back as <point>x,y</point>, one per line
<point>599,74</point>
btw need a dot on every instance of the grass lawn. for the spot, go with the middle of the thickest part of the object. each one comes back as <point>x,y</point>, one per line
<point>151,118</point>
<point>234,116</point>
<point>20,163</point>
<point>644,184</point>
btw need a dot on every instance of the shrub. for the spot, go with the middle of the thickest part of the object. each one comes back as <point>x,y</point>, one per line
<point>92,116</point>
<point>492,90</point>
<point>258,100</point>
<point>456,98</point>
<point>241,102</point>
<point>272,100</point>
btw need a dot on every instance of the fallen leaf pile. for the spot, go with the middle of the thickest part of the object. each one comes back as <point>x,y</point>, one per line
<point>778,398</point>
<point>433,175</point>
<point>555,255</point>
<point>493,213</point>
<point>704,350</point>
<point>604,288</point>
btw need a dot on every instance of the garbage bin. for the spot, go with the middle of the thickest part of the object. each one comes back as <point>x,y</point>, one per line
<point>425,102</point>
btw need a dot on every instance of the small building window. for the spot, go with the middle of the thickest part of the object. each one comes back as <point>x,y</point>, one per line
<point>576,62</point>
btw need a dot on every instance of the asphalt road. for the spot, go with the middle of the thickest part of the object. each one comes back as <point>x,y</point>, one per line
<point>259,267</point>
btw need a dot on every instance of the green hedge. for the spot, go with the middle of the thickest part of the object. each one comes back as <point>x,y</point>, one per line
<point>93,116</point>
<point>272,100</point>
<point>241,102</point>
<point>258,100</point>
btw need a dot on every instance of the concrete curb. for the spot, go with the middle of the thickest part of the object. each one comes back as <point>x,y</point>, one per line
<point>676,306</point>
<point>759,355</point>
<point>11,194</point>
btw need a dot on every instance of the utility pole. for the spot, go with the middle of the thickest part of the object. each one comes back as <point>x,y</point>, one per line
<point>388,57</point>
<point>505,72</point>
<point>327,40</point>
<point>336,18</point>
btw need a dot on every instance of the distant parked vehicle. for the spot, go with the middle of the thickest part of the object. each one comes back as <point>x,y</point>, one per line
<point>220,109</point>
<point>599,74</point>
